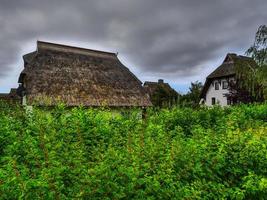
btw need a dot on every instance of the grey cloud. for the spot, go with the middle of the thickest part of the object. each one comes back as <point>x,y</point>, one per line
<point>172,37</point>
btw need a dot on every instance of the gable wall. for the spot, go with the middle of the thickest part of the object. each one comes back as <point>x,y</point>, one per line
<point>218,94</point>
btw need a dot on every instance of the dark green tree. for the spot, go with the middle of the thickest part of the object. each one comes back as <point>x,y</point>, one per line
<point>192,98</point>
<point>250,81</point>
<point>258,51</point>
<point>163,97</point>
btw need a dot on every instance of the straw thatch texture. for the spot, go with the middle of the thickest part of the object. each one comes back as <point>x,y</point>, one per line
<point>161,94</point>
<point>76,76</point>
<point>228,69</point>
<point>152,87</point>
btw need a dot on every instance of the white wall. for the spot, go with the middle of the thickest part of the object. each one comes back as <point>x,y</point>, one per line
<point>218,94</point>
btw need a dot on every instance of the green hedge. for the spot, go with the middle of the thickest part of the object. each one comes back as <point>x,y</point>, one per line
<point>95,154</point>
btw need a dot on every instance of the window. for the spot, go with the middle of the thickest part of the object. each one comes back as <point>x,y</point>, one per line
<point>216,86</point>
<point>225,85</point>
<point>213,101</point>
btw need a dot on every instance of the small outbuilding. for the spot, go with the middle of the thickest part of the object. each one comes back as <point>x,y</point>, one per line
<point>161,93</point>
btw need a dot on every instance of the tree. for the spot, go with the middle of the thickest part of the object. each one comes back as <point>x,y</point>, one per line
<point>250,81</point>
<point>258,51</point>
<point>192,98</point>
<point>160,97</point>
<point>164,96</point>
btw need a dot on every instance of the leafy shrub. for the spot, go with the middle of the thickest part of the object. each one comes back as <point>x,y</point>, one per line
<point>179,153</point>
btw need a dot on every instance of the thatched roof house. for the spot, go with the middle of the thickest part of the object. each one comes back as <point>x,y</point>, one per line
<point>161,93</point>
<point>76,76</point>
<point>229,65</point>
<point>216,85</point>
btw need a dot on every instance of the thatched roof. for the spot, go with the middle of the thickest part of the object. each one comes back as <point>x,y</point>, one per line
<point>227,69</point>
<point>11,96</point>
<point>76,76</point>
<point>161,94</point>
<point>152,87</point>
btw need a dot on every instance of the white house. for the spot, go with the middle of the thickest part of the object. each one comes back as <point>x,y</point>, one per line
<point>217,83</point>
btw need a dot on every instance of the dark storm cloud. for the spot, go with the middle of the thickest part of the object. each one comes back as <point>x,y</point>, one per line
<point>175,37</point>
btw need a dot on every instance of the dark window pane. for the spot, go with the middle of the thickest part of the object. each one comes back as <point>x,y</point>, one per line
<point>213,100</point>
<point>216,86</point>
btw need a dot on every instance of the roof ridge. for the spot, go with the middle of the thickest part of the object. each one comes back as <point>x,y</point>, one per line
<point>156,82</point>
<point>246,57</point>
<point>42,45</point>
<point>238,56</point>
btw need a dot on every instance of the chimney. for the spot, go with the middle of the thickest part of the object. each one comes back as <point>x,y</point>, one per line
<point>160,81</point>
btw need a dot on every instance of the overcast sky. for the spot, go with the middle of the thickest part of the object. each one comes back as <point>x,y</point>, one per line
<point>177,40</point>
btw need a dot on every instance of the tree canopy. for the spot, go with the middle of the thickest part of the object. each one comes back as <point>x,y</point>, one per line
<point>250,85</point>
<point>192,98</point>
<point>258,51</point>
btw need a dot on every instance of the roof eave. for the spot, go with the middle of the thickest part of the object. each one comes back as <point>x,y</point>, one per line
<point>208,82</point>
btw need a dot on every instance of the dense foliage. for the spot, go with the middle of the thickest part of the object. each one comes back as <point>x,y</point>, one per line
<point>251,80</point>
<point>192,98</point>
<point>98,154</point>
<point>164,97</point>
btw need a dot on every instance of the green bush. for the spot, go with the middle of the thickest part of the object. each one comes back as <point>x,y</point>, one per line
<point>179,153</point>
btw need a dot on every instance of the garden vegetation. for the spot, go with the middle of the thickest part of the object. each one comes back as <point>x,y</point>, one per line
<point>178,153</point>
